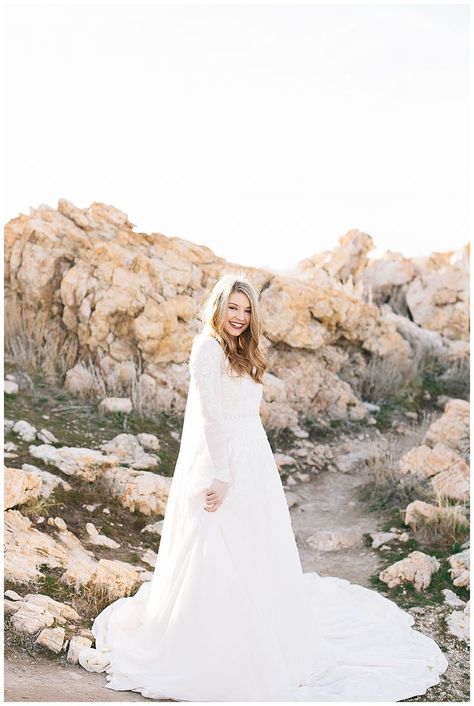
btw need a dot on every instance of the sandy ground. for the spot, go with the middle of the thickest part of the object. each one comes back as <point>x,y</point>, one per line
<point>40,679</point>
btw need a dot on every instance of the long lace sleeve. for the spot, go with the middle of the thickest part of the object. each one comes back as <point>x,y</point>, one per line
<point>205,367</point>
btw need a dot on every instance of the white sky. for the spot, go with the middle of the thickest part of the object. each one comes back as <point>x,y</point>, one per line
<point>262,131</point>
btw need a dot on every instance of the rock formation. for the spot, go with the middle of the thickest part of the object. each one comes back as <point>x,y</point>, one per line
<point>120,310</point>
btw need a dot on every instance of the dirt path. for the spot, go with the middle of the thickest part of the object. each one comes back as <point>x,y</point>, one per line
<point>40,678</point>
<point>330,502</point>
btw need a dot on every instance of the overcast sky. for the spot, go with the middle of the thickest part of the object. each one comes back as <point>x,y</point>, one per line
<point>262,131</point>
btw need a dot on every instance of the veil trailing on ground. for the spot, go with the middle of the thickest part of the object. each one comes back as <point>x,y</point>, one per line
<point>202,457</point>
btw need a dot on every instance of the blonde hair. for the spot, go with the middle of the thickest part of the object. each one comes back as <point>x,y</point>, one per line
<point>244,352</point>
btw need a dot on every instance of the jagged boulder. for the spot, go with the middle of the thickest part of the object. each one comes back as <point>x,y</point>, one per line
<point>452,428</point>
<point>416,568</point>
<point>20,487</point>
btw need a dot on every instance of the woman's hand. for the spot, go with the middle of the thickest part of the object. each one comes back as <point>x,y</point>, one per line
<point>215,495</point>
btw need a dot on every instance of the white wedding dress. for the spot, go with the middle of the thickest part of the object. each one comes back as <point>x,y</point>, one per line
<point>229,614</point>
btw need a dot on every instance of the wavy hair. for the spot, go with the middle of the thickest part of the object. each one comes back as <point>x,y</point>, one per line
<point>244,353</point>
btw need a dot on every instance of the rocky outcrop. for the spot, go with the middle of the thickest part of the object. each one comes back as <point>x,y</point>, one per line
<point>433,291</point>
<point>74,461</point>
<point>438,298</point>
<point>347,259</point>
<point>122,307</point>
<point>27,548</point>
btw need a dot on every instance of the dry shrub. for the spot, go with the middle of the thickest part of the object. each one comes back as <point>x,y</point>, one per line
<point>388,490</point>
<point>455,380</point>
<point>34,342</point>
<point>449,524</point>
<point>386,377</point>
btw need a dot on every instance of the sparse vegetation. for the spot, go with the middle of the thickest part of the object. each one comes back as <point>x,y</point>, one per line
<point>394,382</point>
<point>449,525</point>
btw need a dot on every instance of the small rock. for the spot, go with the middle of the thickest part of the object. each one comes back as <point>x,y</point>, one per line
<point>25,430</point>
<point>379,538</point>
<point>47,437</point>
<point>51,638</point>
<point>13,595</point>
<point>91,508</point>
<point>57,522</point>
<point>297,431</point>
<point>451,598</point>
<point>100,539</point>
<point>76,644</point>
<point>106,511</point>
<point>458,623</point>
<point>111,405</point>
<point>416,568</point>
<point>327,540</point>
<point>149,557</point>
<point>149,441</point>
<point>154,528</point>
<point>11,607</point>
<point>10,388</point>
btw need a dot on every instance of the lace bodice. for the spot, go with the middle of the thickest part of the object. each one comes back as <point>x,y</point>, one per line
<point>223,396</point>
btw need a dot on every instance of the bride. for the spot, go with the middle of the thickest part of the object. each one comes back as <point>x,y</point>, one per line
<point>229,614</point>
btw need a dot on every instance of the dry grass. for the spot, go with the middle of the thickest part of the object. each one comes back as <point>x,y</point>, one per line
<point>449,524</point>
<point>385,378</point>
<point>388,490</point>
<point>455,380</point>
<point>35,344</point>
<point>32,343</point>
<point>389,378</point>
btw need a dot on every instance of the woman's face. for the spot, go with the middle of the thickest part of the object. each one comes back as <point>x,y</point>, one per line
<point>238,313</point>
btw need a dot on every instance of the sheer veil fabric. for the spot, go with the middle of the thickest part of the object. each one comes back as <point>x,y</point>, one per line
<point>229,614</point>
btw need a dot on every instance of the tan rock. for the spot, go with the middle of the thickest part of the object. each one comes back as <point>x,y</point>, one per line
<point>100,539</point>
<point>139,490</point>
<point>19,487</point>
<point>11,607</point>
<point>52,639</point>
<point>460,564</point>
<point>26,548</point>
<point>425,462</point>
<point>30,617</point>
<point>328,540</point>
<point>25,430</point>
<point>10,387</point>
<point>49,481</point>
<point>452,428</point>
<point>129,451</point>
<point>76,644</point>
<point>416,568</point>
<point>383,275</point>
<point>453,482</point>
<point>348,259</point>
<point>418,512</point>
<point>458,623</point>
<point>117,578</point>
<point>438,298</point>
<point>74,461</point>
<point>112,405</point>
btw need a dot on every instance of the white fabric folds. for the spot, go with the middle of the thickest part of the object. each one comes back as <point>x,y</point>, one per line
<point>229,614</point>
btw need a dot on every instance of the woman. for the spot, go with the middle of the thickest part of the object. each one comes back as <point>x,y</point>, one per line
<point>229,614</point>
